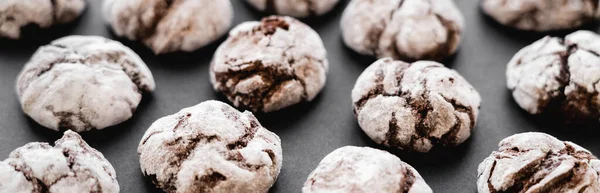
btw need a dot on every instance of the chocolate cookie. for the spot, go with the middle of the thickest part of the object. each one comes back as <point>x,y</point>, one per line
<point>269,65</point>
<point>16,14</point>
<point>70,166</point>
<point>363,170</point>
<point>537,162</point>
<point>210,147</point>
<point>170,25</point>
<point>559,76</point>
<point>83,83</point>
<point>542,15</point>
<point>415,106</point>
<point>409,30</point>
<point>294,8</point>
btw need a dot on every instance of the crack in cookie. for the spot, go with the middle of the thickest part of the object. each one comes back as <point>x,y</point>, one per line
<point>409,180</point>
<point>272,77</point>
<point>208,182</point>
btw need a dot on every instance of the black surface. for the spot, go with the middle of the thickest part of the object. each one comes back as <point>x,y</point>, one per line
<point>308,131</point>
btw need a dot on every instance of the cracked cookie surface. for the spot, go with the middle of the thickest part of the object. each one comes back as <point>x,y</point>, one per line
<point>363,170</point>
<point>559,76</point>
<point>294,8</point>
<point>70,166</point>
<point>170,25</point>
<point>542,15</point>
<point>16,14</point>
<point>210,147</point>
<point>269,65</point>
<point>415,106</point>
<point>83,83</point>
<point>536,163</point>
<point>408,30</point>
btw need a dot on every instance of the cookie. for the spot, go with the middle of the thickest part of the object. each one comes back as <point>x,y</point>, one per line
<point>169,25</point>
<point>70,166</point>
<point>408,30</point>
<point>542,15</point>
<point>294,8</point>
<point>16,14</point>
<point>210,147</point>
<point>83,83</point>
<point>559,76</point>
<point>537,162</point>
<point>363,170</point>
<point>415,106</point>
<point>269,65</point>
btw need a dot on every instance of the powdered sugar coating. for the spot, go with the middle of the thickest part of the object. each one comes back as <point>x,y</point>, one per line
<point>409,30</point>
<point>415,106</point>
<point>542,15</point>
<point>537,162</point>
<point>14,181</point>
<point>555,75</point>
<point>70,166</point>
<point>170,25</point>
<point>210,147</point>
<point>269,65</point>
<point>83,83</point>
<point>15,14</point>
<point>362,170</point>
<point>294,8</point>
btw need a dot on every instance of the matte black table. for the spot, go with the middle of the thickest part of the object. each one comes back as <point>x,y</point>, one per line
<point>309,131</point>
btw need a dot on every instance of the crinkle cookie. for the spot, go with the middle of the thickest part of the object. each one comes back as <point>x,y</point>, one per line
<point>170,25</point>
<point>363,170</point>
<point>269,65</point>
<point>70,166</point>
<point>537,162</point>
<point>542,15</point>
<point>210,147</point>
<point>559,76</point>
<point>83,83</point>
<point>294,8</point>
<point>409,30</point>
<point>415,106</point>
<point>16,14</point>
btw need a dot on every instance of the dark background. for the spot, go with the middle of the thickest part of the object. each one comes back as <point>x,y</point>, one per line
<point>308,131</point>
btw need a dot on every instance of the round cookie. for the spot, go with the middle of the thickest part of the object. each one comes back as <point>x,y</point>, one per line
<point>269,65</point>
<point>170,25</point>
<point>363,170</point>
<point>415,106</point>
<point>537,162</point>
<point>409,30</point>
<point>70,166</point>
<point>559,76</point>
<point>210,147</point>
<point>16,14</point>
<point>542,15</point>
<point>83,83</point>
<point>294,8</point>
